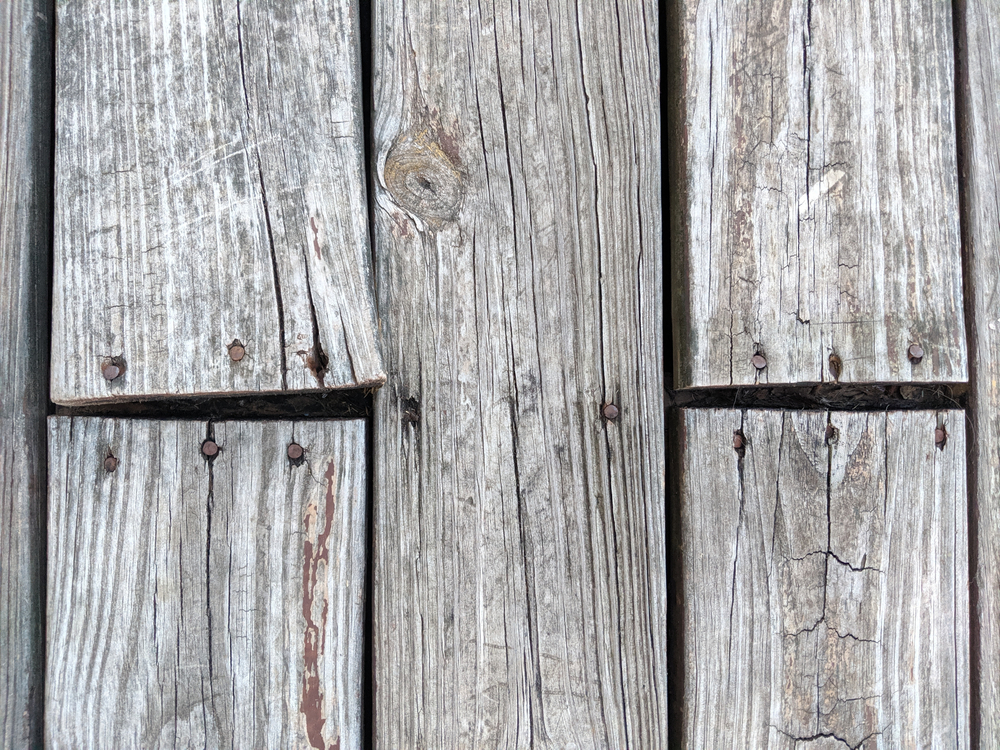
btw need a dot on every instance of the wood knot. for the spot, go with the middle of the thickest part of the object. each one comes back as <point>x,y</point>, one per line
<point>422,178</point>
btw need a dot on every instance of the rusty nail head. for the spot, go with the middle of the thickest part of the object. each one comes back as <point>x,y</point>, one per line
<point>110,372</point>
<point>915,353</point>
<point>295,451</point>
<point>759,361</point>
<point>237,351</point>
<point>110,464</point>
<point>737,441</point>
<point>939,435</point>
<point>209,448</point>
<point>610,411</point>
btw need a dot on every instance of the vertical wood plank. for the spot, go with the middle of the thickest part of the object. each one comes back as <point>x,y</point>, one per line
<point>197,603</point>
<point>825,580</point>
<point>26,39</point>
<point>211,194</point>
<point>979,71</point>
<point>519,576</point>
<point>817,209</point>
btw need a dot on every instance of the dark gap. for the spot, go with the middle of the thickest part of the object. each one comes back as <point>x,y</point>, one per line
<point>333,404</point>
<point>368,683</point>
<point>44,85</point>
<point>675,581</point>
<point>971,422</point>
<point>825,396</point>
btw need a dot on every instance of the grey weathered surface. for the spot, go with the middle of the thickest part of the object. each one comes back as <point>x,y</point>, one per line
<point>26,40</point>
<point>979,65</point>
<point>210,188</point>
<point>824,583</point>
<point>816,213</point>
<point>519,576</point>
<point>194,604</point>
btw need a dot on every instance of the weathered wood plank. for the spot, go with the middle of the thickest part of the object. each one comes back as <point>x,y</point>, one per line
<point>817,211</point>
<point>978,26</point>
<point>825,580</point>
<point>26,39</point>
<point>196,603</point>
<point>519,576</point>
<point>210,190</point>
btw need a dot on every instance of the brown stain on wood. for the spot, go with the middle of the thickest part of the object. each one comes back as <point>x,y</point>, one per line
<point>312,223</point>
<point>315,562</point>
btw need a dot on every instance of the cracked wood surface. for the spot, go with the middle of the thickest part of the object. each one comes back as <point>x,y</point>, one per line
<point>197,604</point>
<point>26,39</point>
<point>519,579</point>
<point>210,191</point>
<point>979,63</point>
<point>824,580</point>
<point>816,214</point>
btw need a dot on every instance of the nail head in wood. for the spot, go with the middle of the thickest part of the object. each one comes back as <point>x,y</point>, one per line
<point>759,361</point>
<point>110,464</point>
<point>610,412</point>
<point>940,437</point>
<point>110,372</point>
<point>915,353</point>
<point>739,442</point>
<point>295,451</point>
<point>209,448</point>
<point>237,351</point>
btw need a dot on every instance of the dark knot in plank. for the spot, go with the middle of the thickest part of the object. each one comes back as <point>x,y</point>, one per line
<point>422,178</point>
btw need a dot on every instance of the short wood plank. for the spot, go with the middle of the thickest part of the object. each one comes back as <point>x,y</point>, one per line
<point>825,580</point>
<point>195,603</point>
<point>979,69</point>
<point>210,193</point>
<point>26,41</point>
<point>816,218</point>
<point>519,580</point>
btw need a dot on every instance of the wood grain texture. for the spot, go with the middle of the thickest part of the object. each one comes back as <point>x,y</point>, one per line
<point>817,210</point>
<point>978,26</point>
<point>26,40</point>
<point>519,577</point>
<point>825,580</point>
<point>197,604</point>
<point>209,190</point>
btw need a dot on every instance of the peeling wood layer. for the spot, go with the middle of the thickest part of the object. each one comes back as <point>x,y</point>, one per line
<point>824,566</point>
<point>205,602</point>
<point>210,187</point>
<point>816,219</point>
<point>519,581</point>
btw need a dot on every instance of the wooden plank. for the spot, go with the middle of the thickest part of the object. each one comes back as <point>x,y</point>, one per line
<point>519,576</point>
<point>26,40</point>
<point>210,192</point>
<point>978,28</point>
<point>205,603</point>
<point>817,210</point>
<point>824,580</point>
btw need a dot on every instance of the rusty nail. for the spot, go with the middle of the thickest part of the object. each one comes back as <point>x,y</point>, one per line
<point>295,451</point>
<point>915,353</point>
<point>110,464</point>
<point>237,351</point>
<point>610,411</point>
<point>209,448</point>
<point>110,372</point>
<point>836,365</point>
<point>759,361</point>
<point>831,434</point>
<point>737,441</point>
<point>940,436</point>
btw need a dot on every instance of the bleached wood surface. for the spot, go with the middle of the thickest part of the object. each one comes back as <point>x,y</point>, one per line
<point>26,39</point>
<point>824,580</point>
<point>196,604</point>
<point>979,69</point>
<point>209,189</point>
<point>816,213</point>
<point>519,578</point>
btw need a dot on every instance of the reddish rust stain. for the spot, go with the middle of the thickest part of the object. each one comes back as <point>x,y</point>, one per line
<point>313,641</point>
<point>312,223</point>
